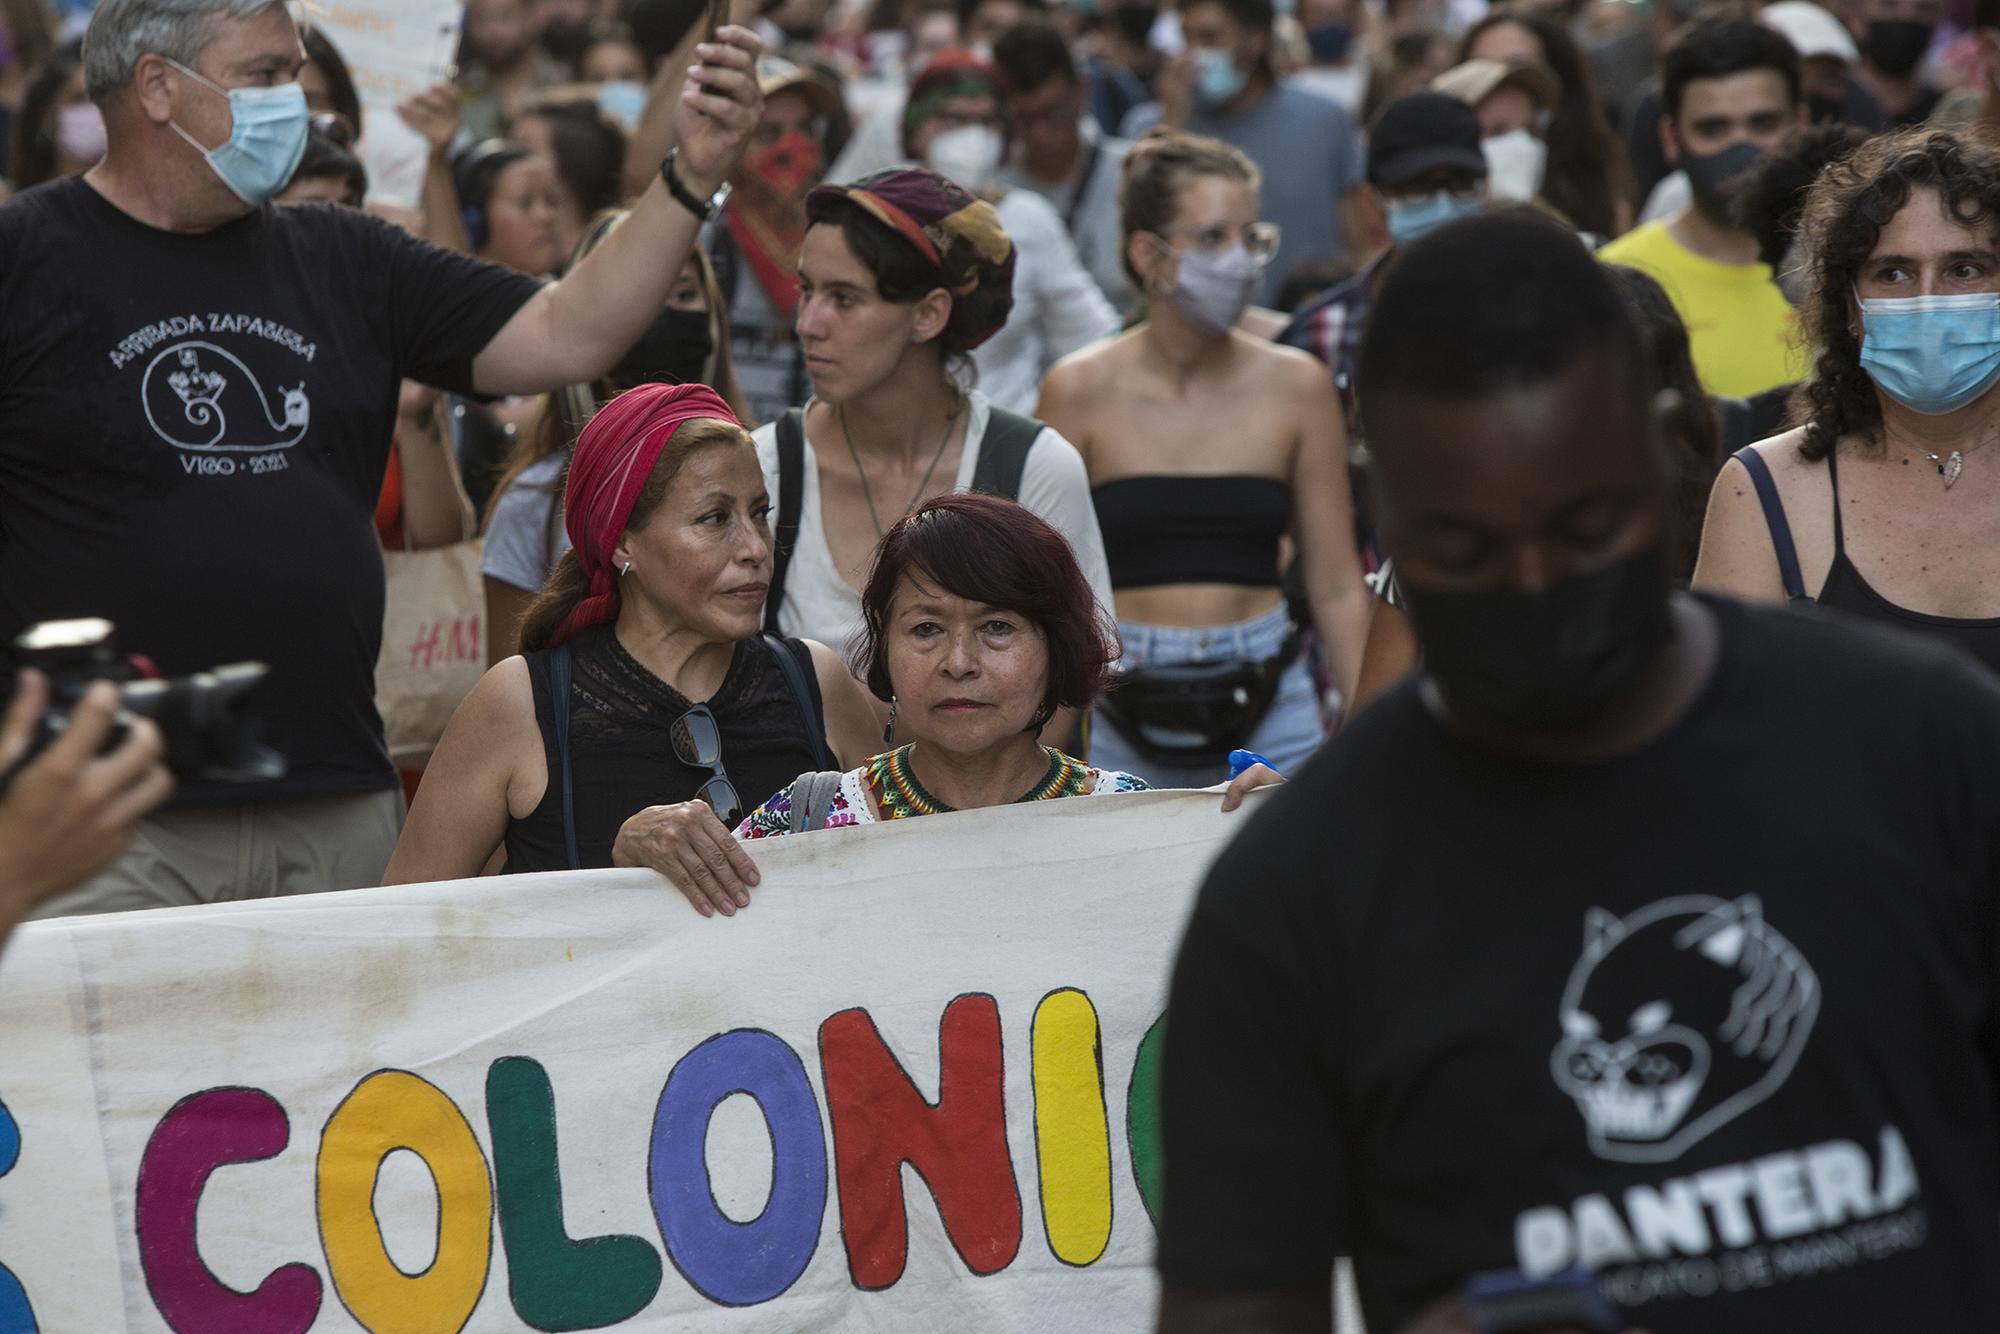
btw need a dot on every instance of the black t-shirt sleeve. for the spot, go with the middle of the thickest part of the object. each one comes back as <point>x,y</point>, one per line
<point>443,307</point>
<point>1253,1140</point>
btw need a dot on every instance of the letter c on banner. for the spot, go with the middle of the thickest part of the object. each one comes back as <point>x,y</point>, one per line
<point>202,1132</point>
<point>390,1110</point>
<point>739,1264</point>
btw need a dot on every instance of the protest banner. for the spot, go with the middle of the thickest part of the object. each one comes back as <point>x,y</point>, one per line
<point>908,1088</point>
<point>395,49</point>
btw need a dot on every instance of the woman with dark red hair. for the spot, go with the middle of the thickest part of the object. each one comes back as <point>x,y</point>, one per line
<point>644,685</point>
<point>978,629</point>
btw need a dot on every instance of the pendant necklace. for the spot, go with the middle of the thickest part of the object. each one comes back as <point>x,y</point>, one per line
<point>1948,467</point>
<point>840,417</point>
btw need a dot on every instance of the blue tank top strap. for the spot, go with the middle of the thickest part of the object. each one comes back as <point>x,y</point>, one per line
<point>1774,519</point>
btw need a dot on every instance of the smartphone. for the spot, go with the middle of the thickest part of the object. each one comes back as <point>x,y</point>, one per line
<point>1506,1301</point>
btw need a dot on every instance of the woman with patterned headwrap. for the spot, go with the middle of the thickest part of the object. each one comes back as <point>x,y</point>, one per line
<point>956,123</point>
<point>644,683</point>
<point>902,275</point>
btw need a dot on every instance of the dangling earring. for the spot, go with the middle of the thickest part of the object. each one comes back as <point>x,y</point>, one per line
<point>890,730</point>
<point>626,568</point>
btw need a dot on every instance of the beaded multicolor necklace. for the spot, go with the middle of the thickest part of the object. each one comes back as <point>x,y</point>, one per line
<point>900,795</point>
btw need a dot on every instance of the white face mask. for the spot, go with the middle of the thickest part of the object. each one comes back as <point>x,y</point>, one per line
<point>969,155</point>
<point>1515,162</point>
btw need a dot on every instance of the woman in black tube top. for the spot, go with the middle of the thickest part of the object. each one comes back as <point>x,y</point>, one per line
<point>1887,503</point>
<point>1206,449</point>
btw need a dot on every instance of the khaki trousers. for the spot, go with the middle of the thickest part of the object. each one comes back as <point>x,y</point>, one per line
<point>245,852</point>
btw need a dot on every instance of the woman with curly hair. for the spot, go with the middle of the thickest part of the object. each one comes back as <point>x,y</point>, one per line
<point>1586,179</point>
<point>1886,503</point>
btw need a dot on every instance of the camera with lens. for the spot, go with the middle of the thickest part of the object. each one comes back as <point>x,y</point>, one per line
<point>203,717</point>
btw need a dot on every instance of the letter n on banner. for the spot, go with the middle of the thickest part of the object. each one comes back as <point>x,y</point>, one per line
<point>958,1145</point>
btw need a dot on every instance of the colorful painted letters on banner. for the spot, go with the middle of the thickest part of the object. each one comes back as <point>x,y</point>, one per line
<point>912,1087</point>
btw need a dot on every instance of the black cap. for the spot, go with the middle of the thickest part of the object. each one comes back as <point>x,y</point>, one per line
<point>1420,132</point>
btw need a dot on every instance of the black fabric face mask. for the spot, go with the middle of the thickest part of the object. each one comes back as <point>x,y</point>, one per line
<point>566,40</point>
<point>1136,21</point>
<point>674,350</point>
<point>1894,46</point>
<point>1710,175</point>
<point>1553,661</point>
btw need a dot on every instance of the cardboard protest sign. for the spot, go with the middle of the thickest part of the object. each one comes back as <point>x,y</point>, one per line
<point>908,1088</point>
<point>395,49</point>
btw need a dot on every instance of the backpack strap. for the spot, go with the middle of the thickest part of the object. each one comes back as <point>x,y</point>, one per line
<point>559,700</point>
<point>795,681</point>
<point>791,503</point>
<point>1003,453</point>
<point>812,798</point>
<point>1774,519</point>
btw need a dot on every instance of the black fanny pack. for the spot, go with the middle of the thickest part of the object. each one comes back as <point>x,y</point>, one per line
<point>1194,714</point>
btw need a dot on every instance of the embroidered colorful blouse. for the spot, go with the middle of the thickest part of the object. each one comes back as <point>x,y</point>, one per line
<point>886,788</point>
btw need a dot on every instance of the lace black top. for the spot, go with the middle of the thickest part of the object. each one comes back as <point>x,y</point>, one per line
<point>622,758</point>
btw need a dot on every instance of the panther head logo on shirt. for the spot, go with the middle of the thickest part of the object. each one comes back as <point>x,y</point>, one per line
<point>1678,1019</point>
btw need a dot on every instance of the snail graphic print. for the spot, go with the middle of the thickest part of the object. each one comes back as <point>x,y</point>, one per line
<point>199,396</point>
<point>1678,1019</point>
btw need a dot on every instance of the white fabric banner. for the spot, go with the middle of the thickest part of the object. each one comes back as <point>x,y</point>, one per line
<point>898,1092</point>
<point>395,49</point>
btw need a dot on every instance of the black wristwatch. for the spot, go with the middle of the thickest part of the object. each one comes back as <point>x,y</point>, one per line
<point>703,209</point>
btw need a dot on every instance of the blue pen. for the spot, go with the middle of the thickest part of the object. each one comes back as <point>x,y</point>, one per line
<point>1239,760</point>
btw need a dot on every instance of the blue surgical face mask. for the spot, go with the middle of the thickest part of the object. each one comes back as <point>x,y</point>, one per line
<point>1217,80</point>
<point>624,100</point>
<point>1932,354</point>
<point>267,135</point>
<point>1411,217</point>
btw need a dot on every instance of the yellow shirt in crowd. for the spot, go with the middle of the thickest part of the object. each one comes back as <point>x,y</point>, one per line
<point>1741,329</point>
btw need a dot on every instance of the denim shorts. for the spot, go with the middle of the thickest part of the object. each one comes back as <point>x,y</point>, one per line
<point>1289,732</point>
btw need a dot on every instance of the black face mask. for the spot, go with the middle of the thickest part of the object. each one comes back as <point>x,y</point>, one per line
<point>1554,661</point>
<point>566,40</point>
<point>674,350</point>
<point>1135,21</point>
<point>1894,46</point>
<point>1711,175</point>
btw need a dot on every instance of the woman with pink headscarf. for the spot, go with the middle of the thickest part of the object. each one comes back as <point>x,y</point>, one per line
<point>643,682</point>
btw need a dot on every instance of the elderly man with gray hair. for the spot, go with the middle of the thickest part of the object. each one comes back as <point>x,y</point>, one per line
<point>198,391</point>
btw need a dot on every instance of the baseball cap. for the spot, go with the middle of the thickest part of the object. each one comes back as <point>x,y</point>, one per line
<point>1420,132</point>
<point>775,75</point>
<point>1476,80</point>
<point>1811,30</point>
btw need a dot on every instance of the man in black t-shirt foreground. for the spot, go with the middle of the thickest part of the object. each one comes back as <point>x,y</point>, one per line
<point>1644,932</point>
<point>198,392</point>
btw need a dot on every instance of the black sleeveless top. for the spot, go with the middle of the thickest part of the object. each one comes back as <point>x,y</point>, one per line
<point>1192,529</point>
<point>622,759</point>
<point>1846,589</point>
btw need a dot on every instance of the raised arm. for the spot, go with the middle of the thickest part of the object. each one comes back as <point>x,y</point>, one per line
<point>576,329</point>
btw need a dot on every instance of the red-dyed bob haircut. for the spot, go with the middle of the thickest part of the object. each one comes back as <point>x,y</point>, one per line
<point>993,551</point>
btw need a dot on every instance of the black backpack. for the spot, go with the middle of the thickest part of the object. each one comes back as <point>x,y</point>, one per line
<point>1003,457</point>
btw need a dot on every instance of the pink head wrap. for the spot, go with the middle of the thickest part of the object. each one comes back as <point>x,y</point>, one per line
<point>614,457</point>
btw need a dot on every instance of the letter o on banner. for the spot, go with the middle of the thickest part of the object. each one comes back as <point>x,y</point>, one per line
<point>739,1264</point>
<point>390,1110</point>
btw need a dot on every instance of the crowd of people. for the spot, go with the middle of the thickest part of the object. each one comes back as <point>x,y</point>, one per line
<point>875,408</point>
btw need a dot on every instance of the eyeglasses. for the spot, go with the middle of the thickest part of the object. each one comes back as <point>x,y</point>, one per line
<point>697,740</point>
<point>332,125</point>
<point>1259,238</point>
